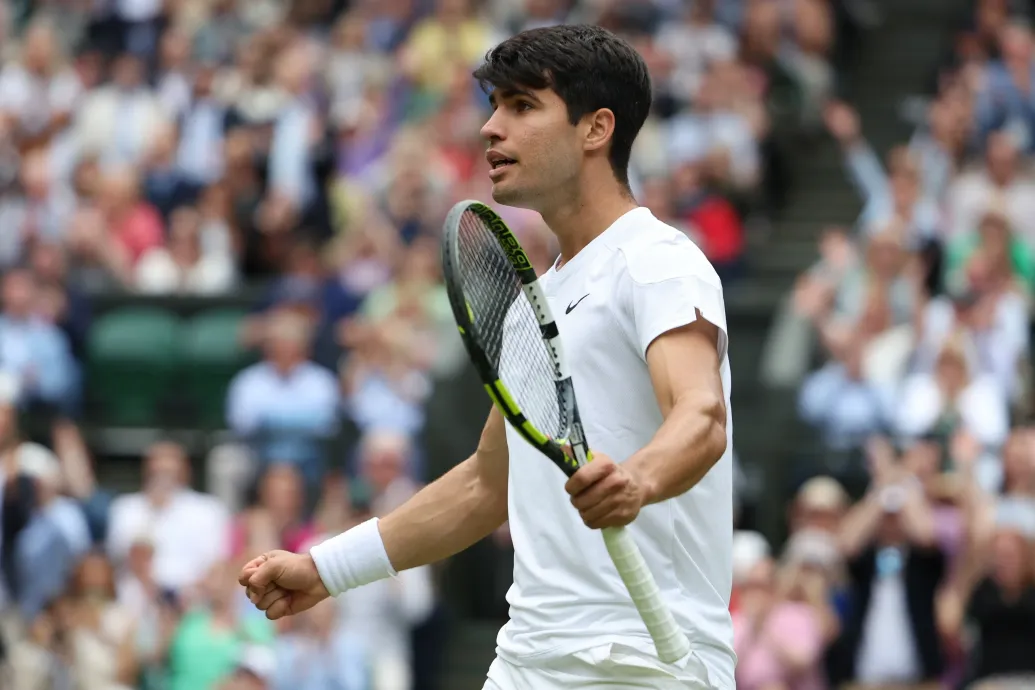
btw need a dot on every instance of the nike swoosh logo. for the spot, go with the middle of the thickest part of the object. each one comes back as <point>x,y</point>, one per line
<point>572,306</point>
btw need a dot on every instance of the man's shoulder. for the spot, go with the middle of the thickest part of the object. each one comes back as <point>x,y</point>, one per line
<point>656,251</point>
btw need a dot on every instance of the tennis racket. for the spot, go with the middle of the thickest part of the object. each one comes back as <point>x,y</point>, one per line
<point>513,341</point>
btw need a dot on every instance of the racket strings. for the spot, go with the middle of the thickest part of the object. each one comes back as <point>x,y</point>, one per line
<point>506,327</point>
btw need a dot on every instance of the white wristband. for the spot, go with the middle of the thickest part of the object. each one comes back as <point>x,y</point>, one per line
<point>352,559</point>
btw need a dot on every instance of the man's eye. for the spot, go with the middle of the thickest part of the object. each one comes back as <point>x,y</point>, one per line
<point>523,105</point>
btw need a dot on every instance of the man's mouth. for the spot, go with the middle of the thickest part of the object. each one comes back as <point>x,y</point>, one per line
<point>497,160</point>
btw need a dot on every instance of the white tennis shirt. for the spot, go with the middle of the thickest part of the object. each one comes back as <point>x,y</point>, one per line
<point>634,282</point>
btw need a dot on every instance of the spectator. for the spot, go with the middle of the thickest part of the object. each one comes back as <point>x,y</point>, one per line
<point>895,568</point>
<point>44,533</point>
<point>320,653</point>
<point>295,136</point>
<point>385,613</point>
<point>285,407</point>
<point>202,654</point>
<point>779,642</point>
<point>37,212</point>
<point>44,467</point>
<point>141,116</point>
<point>994,589</point>
<point>203,123</point>
<point>134,226</point>
<point>165,185</point>
<point>100,631</point>
<point>351,68</point>
<point>938,148</point>
<point>39,659</point>
<point>452,34</point>
<point>889,197</point>
<point>223,29</point>
<point>40,93</point>
<point>383,378</point>
<point>1000,182</point>
<point>188,529</point>
<point>1002,100</point>
<point>842,404</point>
<point>63,304</point>
<point>993,326</point>
<point>255,670</point>
<point>182,265</point>
<point>154,610</point>
<point>953,398</point>
<point>1007,260</point>
<point>277,521</point>
<point>692,44</point>
<point>95,261</point>
<point>35,351</point>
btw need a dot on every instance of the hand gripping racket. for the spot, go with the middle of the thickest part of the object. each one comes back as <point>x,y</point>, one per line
<point>514,344</point>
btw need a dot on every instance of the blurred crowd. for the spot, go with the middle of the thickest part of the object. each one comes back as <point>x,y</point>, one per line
<point>911,557</point>
<point>166,148</point>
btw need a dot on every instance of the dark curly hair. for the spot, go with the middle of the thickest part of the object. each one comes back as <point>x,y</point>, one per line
<point>588,67</point>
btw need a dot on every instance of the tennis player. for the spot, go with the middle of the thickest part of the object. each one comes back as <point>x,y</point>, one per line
<point>642,315</point>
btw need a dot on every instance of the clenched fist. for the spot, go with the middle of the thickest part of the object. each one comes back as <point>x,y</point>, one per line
<point>605,493</point>
<point>282,583</point>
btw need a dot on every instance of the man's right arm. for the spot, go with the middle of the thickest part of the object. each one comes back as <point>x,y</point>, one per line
<point>444,518</point>
<point>459,509</point>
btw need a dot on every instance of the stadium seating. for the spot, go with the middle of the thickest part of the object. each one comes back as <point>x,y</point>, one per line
<point>133,362</point>
<point>212,354</point>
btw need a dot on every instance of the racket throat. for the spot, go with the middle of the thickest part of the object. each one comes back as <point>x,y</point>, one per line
<point>577,439</point>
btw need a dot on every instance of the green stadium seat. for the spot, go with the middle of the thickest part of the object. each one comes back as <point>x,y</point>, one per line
<point>212,354</point>
<point>132,362</point>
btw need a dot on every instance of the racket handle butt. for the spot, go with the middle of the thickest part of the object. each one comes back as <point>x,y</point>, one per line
<point>669,640</point>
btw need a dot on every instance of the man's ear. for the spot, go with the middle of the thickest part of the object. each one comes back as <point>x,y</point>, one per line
<point>600,129</point>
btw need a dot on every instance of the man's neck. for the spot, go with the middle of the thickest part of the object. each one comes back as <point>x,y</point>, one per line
<point>579,222</point>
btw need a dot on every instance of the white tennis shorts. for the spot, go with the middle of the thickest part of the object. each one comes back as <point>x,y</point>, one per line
<point>601,668</point>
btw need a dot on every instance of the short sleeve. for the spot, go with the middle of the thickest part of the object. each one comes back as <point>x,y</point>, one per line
<point>664,286</point>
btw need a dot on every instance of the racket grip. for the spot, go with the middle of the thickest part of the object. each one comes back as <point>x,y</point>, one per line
<point>669,641</point>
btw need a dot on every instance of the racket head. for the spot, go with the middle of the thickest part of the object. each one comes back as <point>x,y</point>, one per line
<point>493,293</point>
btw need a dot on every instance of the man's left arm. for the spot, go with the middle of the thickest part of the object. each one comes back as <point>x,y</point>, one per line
<point>684,370</point>
<point>675,314</point>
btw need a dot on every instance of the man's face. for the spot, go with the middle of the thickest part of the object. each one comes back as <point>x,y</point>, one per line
<point>534,151</point>
<point>128,72</point>
<point>19,292</point>
<point>165,469</point>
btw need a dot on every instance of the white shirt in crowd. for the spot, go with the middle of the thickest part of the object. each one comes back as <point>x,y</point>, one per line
<point>636,281</point>
<point>35,100</point>
<point>157,273</point>
<point>980,407</point>
<point>994,352</point>
<point>887,652</point>
<point>973,193</point>
<point>190,534</point>
<point>383,614</point>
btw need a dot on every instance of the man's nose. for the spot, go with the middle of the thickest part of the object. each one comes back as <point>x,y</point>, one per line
<point>493,131</point>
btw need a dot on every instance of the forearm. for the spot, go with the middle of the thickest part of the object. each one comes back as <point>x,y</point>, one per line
<point>917,520</point>
<point>860,525</point>
<point>444,518</point>
<point>689,442</point>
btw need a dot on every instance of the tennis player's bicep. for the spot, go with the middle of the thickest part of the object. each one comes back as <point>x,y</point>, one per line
<point>684,365</point>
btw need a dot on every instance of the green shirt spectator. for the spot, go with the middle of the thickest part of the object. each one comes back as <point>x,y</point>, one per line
<point>204,651</point>
<point>1000,251</point>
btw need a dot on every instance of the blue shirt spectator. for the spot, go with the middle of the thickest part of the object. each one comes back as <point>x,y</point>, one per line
<point>286,406</point>
<point>35,351</point>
